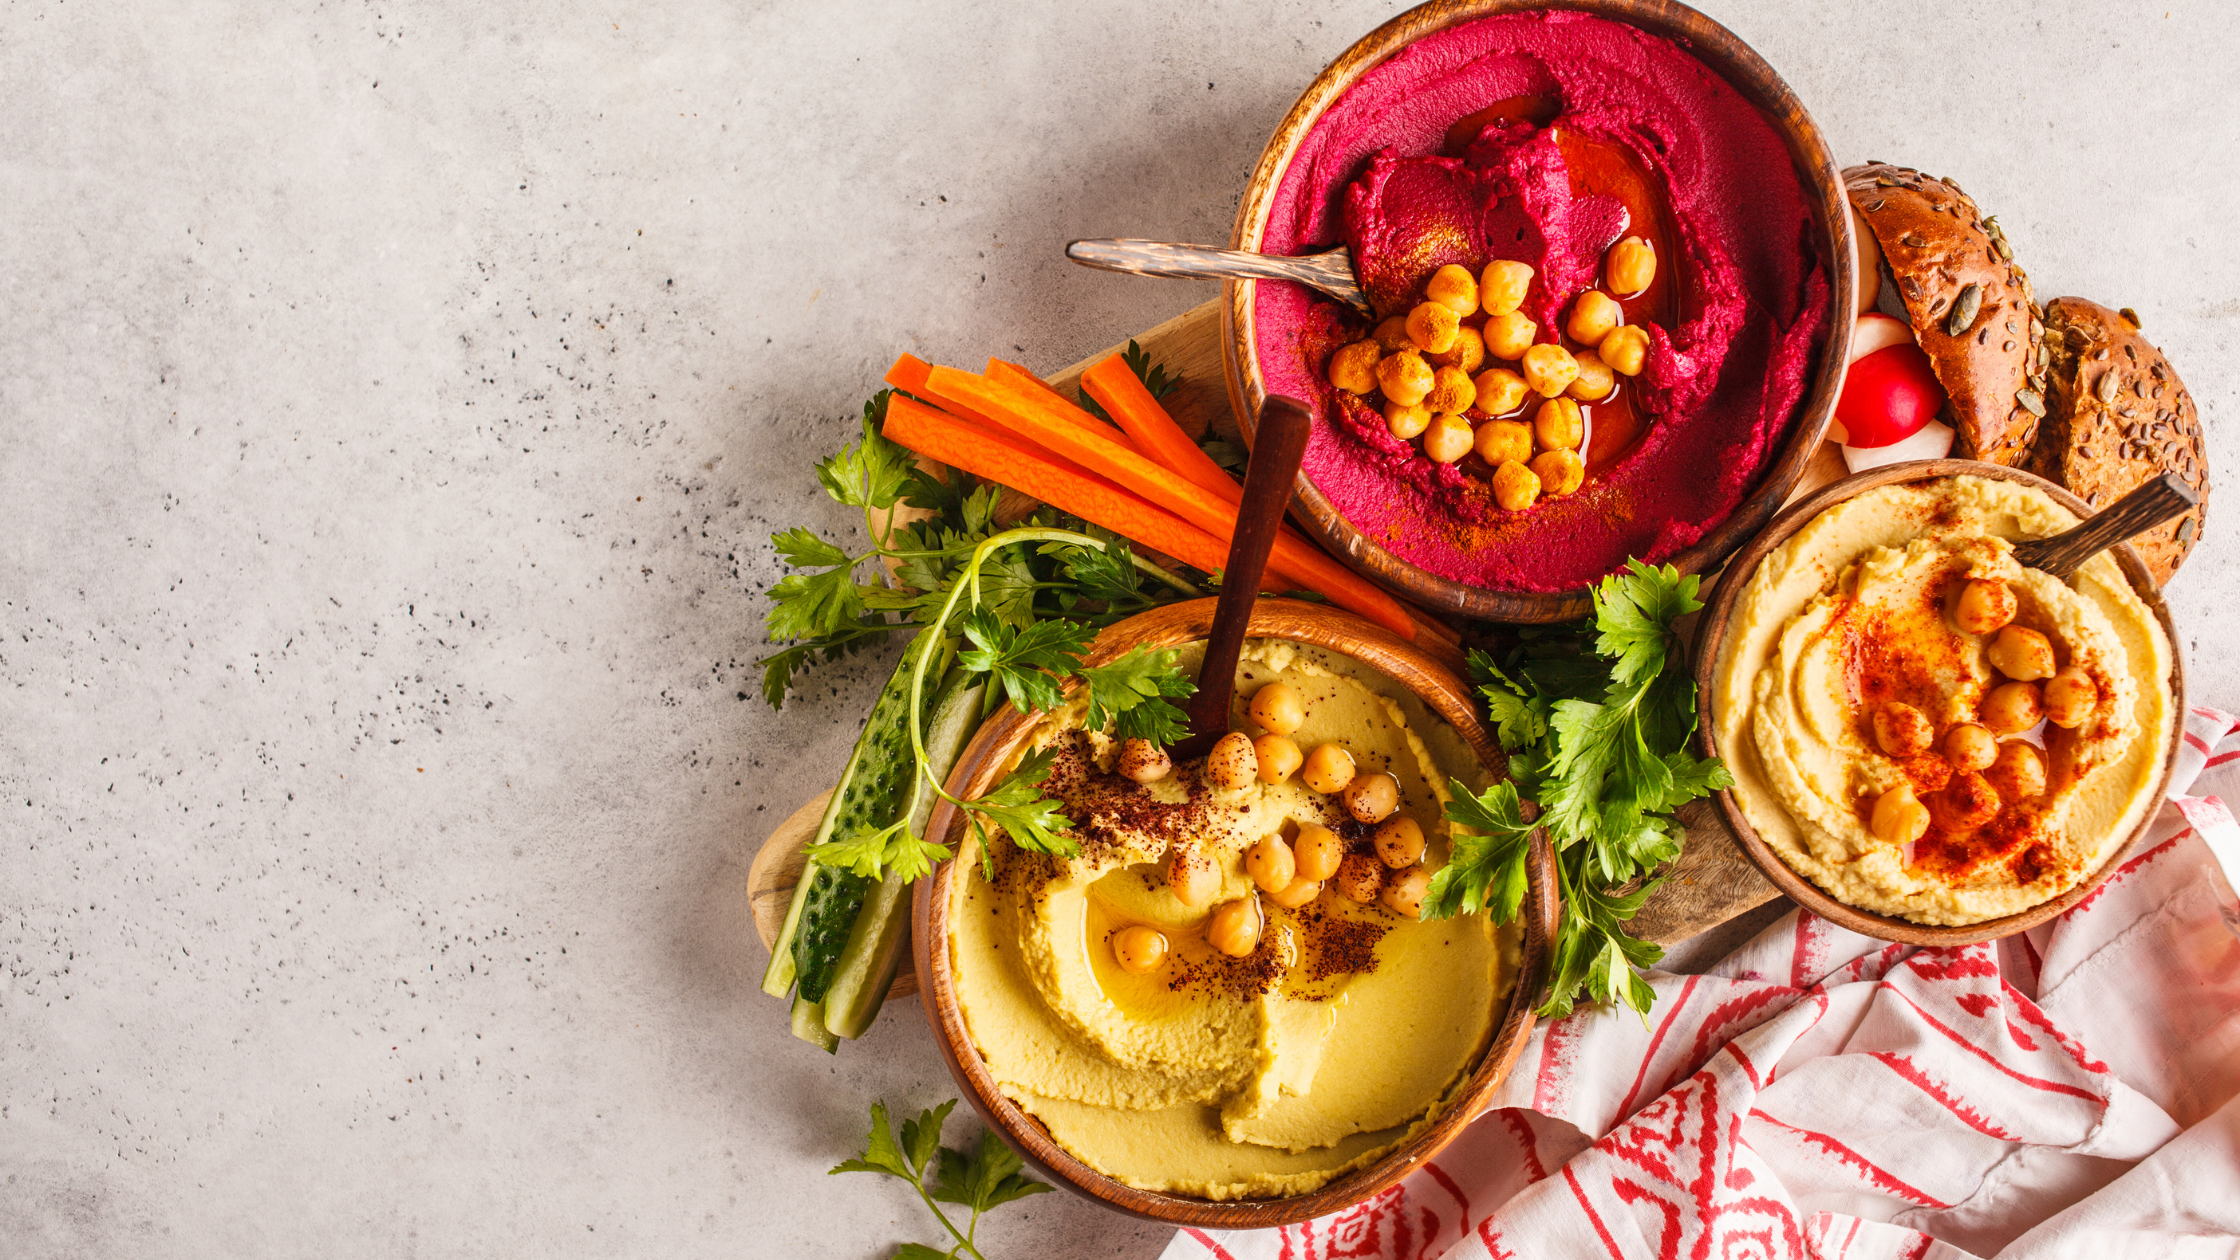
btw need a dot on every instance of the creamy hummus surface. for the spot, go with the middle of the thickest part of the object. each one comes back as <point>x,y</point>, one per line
<point>1533,137</point>
<point>1344,1032</point>
<point>1859,611</point>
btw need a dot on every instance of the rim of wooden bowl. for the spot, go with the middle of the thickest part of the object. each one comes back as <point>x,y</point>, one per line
<point>1711,640</point>
<point>977,770</point>
<point>1743,69</point>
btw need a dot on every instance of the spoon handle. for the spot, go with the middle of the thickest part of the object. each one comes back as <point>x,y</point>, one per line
<point>1330,272</point>
<point>1278,444</point>
<point>2152,504</point>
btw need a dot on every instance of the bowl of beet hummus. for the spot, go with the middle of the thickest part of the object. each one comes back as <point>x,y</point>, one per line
<point>1463,135</point>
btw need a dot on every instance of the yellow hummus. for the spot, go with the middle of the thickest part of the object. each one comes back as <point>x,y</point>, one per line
<point>1343,1034</point>
<point>1854,611</point>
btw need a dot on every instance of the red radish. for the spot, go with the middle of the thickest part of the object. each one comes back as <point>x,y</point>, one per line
<point>1876,332</point>
<point>1887,396</point>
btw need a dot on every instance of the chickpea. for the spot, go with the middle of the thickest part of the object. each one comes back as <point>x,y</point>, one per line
<point>2071,696</point>
<point>1626,349</point>
<point>1404,377</point>
<point>1451,392</point>
<point>1899,818</point>
<point>1139,949</point>
<point>1354,368</point>
<point>1515,487</point>
<point>1453,287</point>
<point>1431,327</point>
<point>1593,314</point>
<point>1595,380</point>
<point>1328,768</point>
<point>1399,842</point>
<point>1371,798</point>
<point>1985,605</point>
<point>2020,772</point>
<point>1498,441</point>
<point>1970,747</point>
<point>1447,439</point>
<point>1631,266</point>
<point>1270,864</point>
<point>2021,654</point>
<point>1404,893</point>
<point>1278,757</point>
<point>1235,927</point>
<point>1468,351</point>
<point>1143,761</point>
<point>1391,336</point>
<point>1500,391</point>
<point>1558,425</point>
<point>1232,764</point>
<point>1509,336</point>
<point>2011,708</point>
<point>1192,877</point>
<point>1549,370</point>
<point>1560,472</point>
<point>1277,708</point>
<point>1360,878</point>
<point>1902,730</point>
<point>1502,287</point>
<point>1298,893</point>
<point>1968,801</point>
<point>1406,422</point>
<point>1317,850</point>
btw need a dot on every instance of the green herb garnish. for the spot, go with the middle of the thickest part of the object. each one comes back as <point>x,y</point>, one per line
<point>988,1177</point>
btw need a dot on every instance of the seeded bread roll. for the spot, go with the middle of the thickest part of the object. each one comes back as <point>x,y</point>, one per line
<point>2118,416</point>
<point>1969,304</point>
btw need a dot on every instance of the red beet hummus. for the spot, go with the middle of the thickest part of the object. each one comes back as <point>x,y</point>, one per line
<point>1534,137</point>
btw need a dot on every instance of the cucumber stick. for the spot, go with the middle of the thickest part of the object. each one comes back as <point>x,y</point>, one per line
<point>882,929</point>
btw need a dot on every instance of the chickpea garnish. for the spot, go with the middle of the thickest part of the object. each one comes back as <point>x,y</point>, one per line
<point>1558,425</point>
<point>1399,842</point>
<point>1143,761</point>
<point>1970,747</point>
<point>1392,334</point>
<point>1595,380</point>
<point>1985,604</point>
<point>1139,949</point>
<point>1404,893</point>
<point>1277,708</point>
<point>1192,877</point>
<point>2070,698</point>
<point>1468,351</point>
<point>1406,422</point>
<point>1902,730</point>
<point>1270,864</point>
<point>1515,486</point>
<point>1967,801</point>
<point>1317,851</point>
<point>1593,314</point>
<point>1451,392</point>
<point>1899,817</point>
<point>1232,763</point>
<point>1328,768</point>
<point>1502,287</point>
<point>1432,327</point>
<point>1235,927</point>
<point>1500,391</point>
<point>1404,377</point>
<point>2011,708</point>
<point>1631,266</point>
<point>1499,441</point>
<point>1453,287</point>
<point>1560,472</point>
<point>1297,893</point>
<point>1371,798</point>
<point>1509,336</point>
<point>1626,349</point>
<point>1360,877</point>
<point>1448,438</point>
<point>1354,367</point>
<point>1278,757</point>
<point>1549,370</point>
<point>2021,653</point>
<point>2020,772</point>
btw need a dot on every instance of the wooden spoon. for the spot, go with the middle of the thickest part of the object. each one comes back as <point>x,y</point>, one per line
<point>1329,272</point>
<point>1278,444</point>
<point>2153,503</point>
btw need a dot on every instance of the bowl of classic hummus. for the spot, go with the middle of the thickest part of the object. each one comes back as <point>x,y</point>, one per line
<point>1646,244</point>
<point>1214,1082</point>
<point>1930,742</point>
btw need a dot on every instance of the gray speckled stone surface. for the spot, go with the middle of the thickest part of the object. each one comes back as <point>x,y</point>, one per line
<point>397,400</point>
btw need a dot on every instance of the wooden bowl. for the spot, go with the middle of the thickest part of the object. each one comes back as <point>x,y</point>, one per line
<point>1733,60</point>
<point>982,764</point>
<point>1711,637</point>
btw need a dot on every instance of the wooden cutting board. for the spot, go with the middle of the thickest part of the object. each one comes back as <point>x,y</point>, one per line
<point>1713,880</point>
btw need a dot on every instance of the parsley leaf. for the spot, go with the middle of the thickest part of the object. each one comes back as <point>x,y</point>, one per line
<point>1132,693</point>
<point>988,1177</point>
<point>872,473</point>
<point>1026,663</point>
<point>1017,806</point>
<point>1487,868</point>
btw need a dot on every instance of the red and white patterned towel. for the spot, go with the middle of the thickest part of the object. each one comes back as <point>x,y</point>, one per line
<point>2070,1092</point>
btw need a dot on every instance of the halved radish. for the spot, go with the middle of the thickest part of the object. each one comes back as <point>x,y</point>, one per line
<point>1887,396</point>
<point>1931,441</point>
<point>1876,331</point>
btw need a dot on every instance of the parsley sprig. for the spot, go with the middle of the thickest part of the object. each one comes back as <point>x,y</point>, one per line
<point>987,1177</point>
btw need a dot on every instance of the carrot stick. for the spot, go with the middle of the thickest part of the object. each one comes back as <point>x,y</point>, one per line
<point>999,370</point>
<point>1042,419</point>
<point>1125,398</point>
